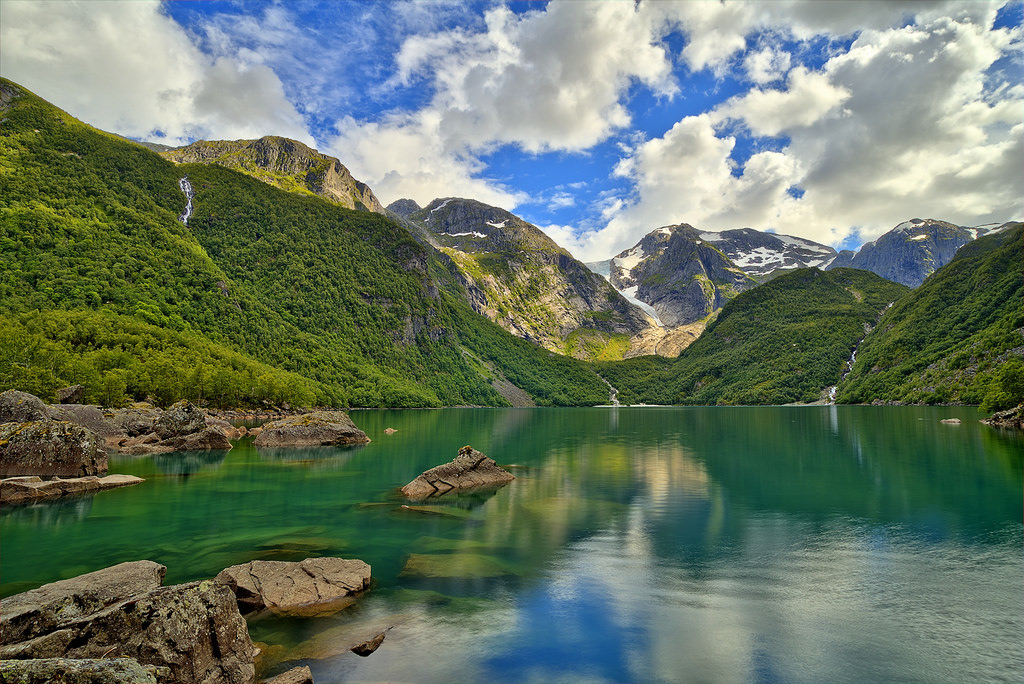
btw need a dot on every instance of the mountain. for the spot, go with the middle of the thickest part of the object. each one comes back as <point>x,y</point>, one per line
<point>910,252</point>
<point>956,338</point>
<point>785,341</point>
<point>264,297</point>
<point>678,274</point>
<point>284,163</point>
<point>760,254</point>
<point>517,276</point>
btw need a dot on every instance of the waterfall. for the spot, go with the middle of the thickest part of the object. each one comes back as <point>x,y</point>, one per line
<point>186,188</point>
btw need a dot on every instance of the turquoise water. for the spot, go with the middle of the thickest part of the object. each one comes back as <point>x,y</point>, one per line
<point>803,544</point>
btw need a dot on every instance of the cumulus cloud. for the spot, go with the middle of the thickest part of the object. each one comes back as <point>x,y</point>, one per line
<point>766,65</point>
<point>126,67</point>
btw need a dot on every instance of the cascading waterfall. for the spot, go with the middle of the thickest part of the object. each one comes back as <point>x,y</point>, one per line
<point>186,187</point>
<point>853,356</point>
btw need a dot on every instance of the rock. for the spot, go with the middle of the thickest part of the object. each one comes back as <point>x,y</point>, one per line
<point>469,470</point>
<point>390,431</point>
<point>950,421</point>
<point>138,419</point>
<point>319,428</point>
<point>182,418</point>
<point>79,671</point>
<point>21,407</point>
<point>90,417</point>
<point>367,647</point>
<point>194,630</point>
<point>50,448</point>
<point>205,439</point>
<point>315,585</point>
<point>296,675</point>
<point>1010,418</point>
<point>37,612</point>
<point>75,394</point>
<point>255,431</point>
<point>20,490</point>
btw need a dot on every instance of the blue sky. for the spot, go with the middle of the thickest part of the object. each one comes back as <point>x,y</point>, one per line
<point>597,121</point>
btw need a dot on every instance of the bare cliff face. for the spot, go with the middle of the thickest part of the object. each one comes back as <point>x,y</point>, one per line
<point>287,164</point>
<point>518,277</point>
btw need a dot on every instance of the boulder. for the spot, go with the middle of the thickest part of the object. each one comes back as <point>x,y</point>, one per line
<point>470,469</point>
<point>50,448</point>
<point>318,428</point>
<point>182,418</point>
<point>370,645</point>
<point>315,585</point>
<point>79,671</point>
<point>75,394</point>
<point>137,419</point>
<point>89,417</point>
<point>18,490</point>
<point>37,612</point>
<point>194,630</point>
<point>205,439</point>
<point>21,407</point>
<point>296,675</point>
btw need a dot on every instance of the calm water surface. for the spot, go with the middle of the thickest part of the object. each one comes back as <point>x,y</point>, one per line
<point>810,544</point>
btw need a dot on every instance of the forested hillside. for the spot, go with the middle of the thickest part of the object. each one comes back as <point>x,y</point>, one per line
<point>959,337</point>
<point>779,343</point>
<point>265,296</point>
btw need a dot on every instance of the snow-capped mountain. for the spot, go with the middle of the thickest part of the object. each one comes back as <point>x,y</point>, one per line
<point>759,253</point>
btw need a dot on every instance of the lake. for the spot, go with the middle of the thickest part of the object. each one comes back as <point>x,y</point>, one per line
<point>789,544</point>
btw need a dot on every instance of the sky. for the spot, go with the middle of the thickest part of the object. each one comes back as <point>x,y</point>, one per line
<point>596,121</point>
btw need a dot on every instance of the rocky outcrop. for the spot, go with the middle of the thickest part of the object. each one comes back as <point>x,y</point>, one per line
<point>29,489</point>
<point>318,428</point>
<point>21,407</point>
<point>182,418</point>
<point>313,586</point>
<point>50,448</point>
<point>82,671</point>
<point>194,630</point>
<point>1012,419</point>
<point>469,470</point>
<point>75,394</point>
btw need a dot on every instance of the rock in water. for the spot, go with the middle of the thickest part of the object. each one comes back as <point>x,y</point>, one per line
<point>318,428</point>
<point>182,418</point>
<point>367,647</point>
<point>50,448</point>
<point>1012,419</point>
<point>21,407</point>
<point>75,394</point>
<point>27,489</point>
<point>315,585</point>
<point>469,470</point>
<point>194,630</point>
<point>296,675</point>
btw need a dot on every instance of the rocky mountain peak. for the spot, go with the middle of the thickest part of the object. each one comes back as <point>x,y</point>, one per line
<point>285,163</point>
<point>404,207</point>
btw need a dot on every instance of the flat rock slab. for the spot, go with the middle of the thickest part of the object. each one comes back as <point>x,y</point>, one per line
<point>310,587</point>
<point>81,671</point>
<point>33,613</point>
<point>50,448</point>
<point>318,428</point>
<point>469,470</point>
<point>20,490</point>
<point>296,675</point>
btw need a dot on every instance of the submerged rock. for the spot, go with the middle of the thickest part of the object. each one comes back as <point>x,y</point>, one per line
<point>315,585</point>
<point>469,470</point>
<point>318,428</point>
<point>370,645</point>
<point>80,671</point>
<point>18,490</point>
<point>50,448</point>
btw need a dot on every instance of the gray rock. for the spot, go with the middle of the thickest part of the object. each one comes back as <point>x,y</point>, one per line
<point>370,645</point>
<point>21,407</point>
<point>88,416</point>
<point>1012,419</point>
<point>138,419</point>
<point>80,671</point>
<point>50,449</point>
<point>37,612</point>
<point>194,630</point>
<point>469,470</point>
<point>315,585</point>
<point>296,675</point>
<point>318,428</point>
<point>75,394</point>
<point>27,489</point>
<point>182,418</point>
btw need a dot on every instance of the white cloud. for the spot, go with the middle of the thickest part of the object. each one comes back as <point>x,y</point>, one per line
<point>128,68</point>
<point>766,65</point>
<point>808,97</point>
